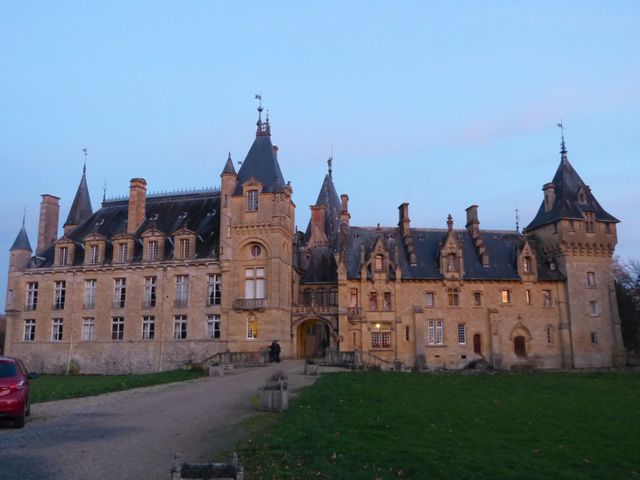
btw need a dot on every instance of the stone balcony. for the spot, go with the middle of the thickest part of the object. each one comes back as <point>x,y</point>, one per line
<point>302,310</point>
<point>249,304</point>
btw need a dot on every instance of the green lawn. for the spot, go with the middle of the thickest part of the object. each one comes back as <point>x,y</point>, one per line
<point>56,387</point>
<point>453,426</point>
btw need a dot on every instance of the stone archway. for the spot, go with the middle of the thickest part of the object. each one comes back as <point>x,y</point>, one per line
<point>313,338</point>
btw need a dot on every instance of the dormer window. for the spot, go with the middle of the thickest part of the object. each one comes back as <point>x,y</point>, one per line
<point>378,263</point>
<point>152,250</point>
<point>582,198</point>
<point>123,252</point>
<point>451,262</point>
<point>63,259</point>
<point>94,254</point>
<point>185,248</point>
<point>252,200</point>
<point>526,264</point>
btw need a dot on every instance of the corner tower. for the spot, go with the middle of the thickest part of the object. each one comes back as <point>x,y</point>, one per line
<point>578,237</point>
<point>257,227</point>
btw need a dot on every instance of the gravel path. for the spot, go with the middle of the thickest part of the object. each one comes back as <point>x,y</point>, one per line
<point>134,434</point>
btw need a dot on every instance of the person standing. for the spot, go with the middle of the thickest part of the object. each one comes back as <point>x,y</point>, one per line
<point>277,351</point>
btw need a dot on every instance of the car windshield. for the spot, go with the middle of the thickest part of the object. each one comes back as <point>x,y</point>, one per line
<point>8,370</point>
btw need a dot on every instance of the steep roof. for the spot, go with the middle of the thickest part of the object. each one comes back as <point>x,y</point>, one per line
<point>322,266</point>
<point>329,198</point>
<point>22,241</point>
<point>566,205</point>
<point>81,206</point>
<point>228,167</point>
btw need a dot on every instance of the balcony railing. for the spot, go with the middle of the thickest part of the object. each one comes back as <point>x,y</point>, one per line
<point>354,313</point>
<point>308,309</point>
<point>248,304</point>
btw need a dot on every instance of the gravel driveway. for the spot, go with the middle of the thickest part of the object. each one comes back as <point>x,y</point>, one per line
<point>132,435</point>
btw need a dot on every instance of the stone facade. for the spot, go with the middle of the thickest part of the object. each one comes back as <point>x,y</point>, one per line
<point>155,282</point>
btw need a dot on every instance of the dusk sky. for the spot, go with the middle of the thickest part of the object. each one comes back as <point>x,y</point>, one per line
<point>439,104</point>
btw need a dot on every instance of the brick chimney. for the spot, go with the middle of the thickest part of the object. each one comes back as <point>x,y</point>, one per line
<point>317,225</point>
<point>344,209</point>
<point>137,204</point>
<point>48,224</point>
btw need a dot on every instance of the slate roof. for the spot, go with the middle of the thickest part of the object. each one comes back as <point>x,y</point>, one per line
<point>567,185</point>
<point>81,206</point>
<point>328,196</point>
<point>228,167</point>
<point>502,247</point>
<point>261,164</point>
<point>22,241</point>
<point>198,212</point>
<point>322,267</point>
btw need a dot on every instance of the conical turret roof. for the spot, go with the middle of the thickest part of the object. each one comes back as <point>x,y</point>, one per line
<point>328,197</point>
<point>228,167</point>
<point>22,241</point>
<point>81,206</point>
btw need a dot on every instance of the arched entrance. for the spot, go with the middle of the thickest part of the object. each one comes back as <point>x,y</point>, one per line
<point>312,338</point>
<point>520,346</point>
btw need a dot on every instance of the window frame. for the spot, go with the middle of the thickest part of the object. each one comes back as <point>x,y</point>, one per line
<point>180,330</point>
<point>88,329</point>
<point>148,327</point>
<point>462,333</point>
<point>29,331</point>
<point>252,200</point>
<point>117,328</point>
<point>214,289</point>
<point>59,294</point>
<point>90,291</point>
<point>213,331</point>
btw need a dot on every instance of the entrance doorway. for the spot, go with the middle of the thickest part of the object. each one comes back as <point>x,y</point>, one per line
<point>477,344</point>
<point>312,339</point>
<point>520,346</point>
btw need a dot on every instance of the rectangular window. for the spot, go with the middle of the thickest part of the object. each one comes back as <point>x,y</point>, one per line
<point>594,338</point>
<point>148,327</point>
<point>381,335</point>
<point>591,279</point>
<point>59,291</point>
<point>333,296</point>
<point>430,299</point>
<point>546,295</point>
<point>149,294</point>
<point>435,332</point>
<point>88,328</point>
<point>378,263</point>
<point>64,256</point>
<point>56,332</point>
<point>373,301</point>
<point>180,327</point>
<point>386,301</point>
<point>453,297</point>
<point>254,283</point>
<point>252,327</point>
<point>505,296</point>
<point>462,333</point>
<point>123,252</point>
<point>29,330</point>
<point>549,334</point>
<point>252,200</point>
<point>89,294</point>
<point>117,328</point>
<point>526,264</point>
<point>185,248</point>
<point>477,299</point>
<point>119,292</point>
<point>214,292</point>
<point>593,308</point>
<point>94,254</point>
<point>182,290</point>
<point>32,296</point>
<point>590,222</point>
<point>152,250</point>
<point>213,326</point>
<point>353,298</point>
<point>527,297</point>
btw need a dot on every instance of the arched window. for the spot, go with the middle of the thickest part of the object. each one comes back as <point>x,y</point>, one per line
<point>321,296</point>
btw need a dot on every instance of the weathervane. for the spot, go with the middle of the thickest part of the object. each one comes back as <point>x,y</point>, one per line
<point>517,219</point>
<point>84,168</point>
<point>561,126</point>
<point>259,97</point>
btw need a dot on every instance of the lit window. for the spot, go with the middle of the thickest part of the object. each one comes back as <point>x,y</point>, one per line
<point>527,297</point>
<point>214,290</point>
<point>252,327</point>
<point>381,335</point>
<point>254,283</point>
<point>373,301</point>
<point>430,299</point>
<point>32,296</point>
<point>526,265</point>
<point>182,291</point>
<point>593,308</point>
<point>123,252</point>
<point>64,256</point>
<point>94,254</point>
<point>88,328</point>
<point>434,332</point>
<point>180,327</point>
<point>453,297</point>
<point>462,333</point>
<point>477,299</point>
<point>213,326</point>
<point>29,331</point>
<point>591,279</point>
<point>152,250</point>
<point>117,328</point>
<point>89,294</point>
<point>148,327</point>
<point>546,295</point>
<point>505,296</point>
<point>56,333</point>
<point>149,294</point>
<point>185,248</point>
<point>119,292</point>
<point>59,294</point>
<point>252,200</point>
<point>386,301</point>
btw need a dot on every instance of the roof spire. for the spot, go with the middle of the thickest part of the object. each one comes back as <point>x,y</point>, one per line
<point>517,219</point>
<point>563,150</point>
<point>24,216</point>
<point>330,163</point>
<point>449,222</point>
<point>81,207</point>
<point>84,168</point>
<point>263,128</point>
<point>104,191</point>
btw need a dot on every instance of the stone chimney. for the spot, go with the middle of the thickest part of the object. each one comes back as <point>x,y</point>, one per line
<point>48,224</point>
<point>405,229</point>
<point>318,236</point>
<point>549,190</point>
<point>473,227</point>
<point>137,204</point>
<point>344,209</point>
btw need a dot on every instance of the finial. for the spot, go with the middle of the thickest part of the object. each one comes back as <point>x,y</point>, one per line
<point>450,222</point>
<point>84,168</point>
<point>229,157</point>
<point>517,219</point>
<point>330,163</point>
<point>267,120</point>
<point>24,216</point>
<point>563,150</point>
<point>104,191</point>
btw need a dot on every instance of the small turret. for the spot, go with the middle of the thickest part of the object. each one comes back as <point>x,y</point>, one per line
<point>20,251</point>
<point>81,207</point>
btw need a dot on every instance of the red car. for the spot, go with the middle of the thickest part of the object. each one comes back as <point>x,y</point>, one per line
<point>15,390</point>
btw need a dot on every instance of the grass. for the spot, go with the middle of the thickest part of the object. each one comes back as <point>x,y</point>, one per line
<point>507,426</point>
<point>57,387</point>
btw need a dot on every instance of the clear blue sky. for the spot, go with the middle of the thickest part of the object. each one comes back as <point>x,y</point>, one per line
<point>440,104</point>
